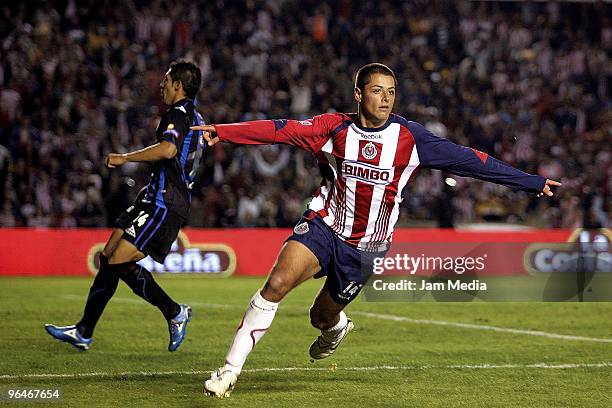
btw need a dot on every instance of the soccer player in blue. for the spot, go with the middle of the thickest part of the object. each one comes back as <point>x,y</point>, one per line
<point>152,223</point>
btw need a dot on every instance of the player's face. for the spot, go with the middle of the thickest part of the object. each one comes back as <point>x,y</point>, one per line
<point>167,89</point>
<point>377,99</point>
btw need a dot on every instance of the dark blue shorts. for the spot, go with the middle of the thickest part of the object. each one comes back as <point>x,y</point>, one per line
<point>347,268</point>
<point>150,228</point>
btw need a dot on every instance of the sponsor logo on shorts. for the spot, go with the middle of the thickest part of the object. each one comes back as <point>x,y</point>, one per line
<point>302,228</point>
<point>131,231</point>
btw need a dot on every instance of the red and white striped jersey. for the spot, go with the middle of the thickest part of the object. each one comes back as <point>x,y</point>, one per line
<point>366,169</point>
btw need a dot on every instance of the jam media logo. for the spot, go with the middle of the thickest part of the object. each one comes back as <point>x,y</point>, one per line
<point>586,250</point>
<point>184,258</point>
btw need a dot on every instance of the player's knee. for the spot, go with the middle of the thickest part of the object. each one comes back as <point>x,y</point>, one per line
<point>113,259</point>
<point>276,287</point>
<point>116,259</point>
<point>103,261</point>
<point>125,253</point>
<point>122,270</point>
<point>320,320</point>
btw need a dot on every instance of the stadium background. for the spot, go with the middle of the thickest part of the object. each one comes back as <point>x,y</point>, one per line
<point>528,82</point>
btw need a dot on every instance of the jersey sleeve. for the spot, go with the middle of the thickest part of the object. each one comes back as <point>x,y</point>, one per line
<point>439,153</point>
<point>310,134</point>
<point>175,128</point>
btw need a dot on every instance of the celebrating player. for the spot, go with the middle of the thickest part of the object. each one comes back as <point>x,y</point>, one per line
<point>150,226</point>
<point>367,159</point>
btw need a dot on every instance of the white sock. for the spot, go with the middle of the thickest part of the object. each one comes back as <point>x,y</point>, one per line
<point>256,321</point>
<point>334,331</point>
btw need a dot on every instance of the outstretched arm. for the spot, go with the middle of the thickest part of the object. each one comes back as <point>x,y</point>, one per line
<point>309,134</point>
<point>439,153</point>
<point>166,146</point>
<point>159,151</point>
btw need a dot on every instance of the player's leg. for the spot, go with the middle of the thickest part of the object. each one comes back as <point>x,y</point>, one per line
<point>327,315</point>
<point>151,230</point>
<point>325,312</point>
<point>295,264</point>
<point>112,242</point>
<point>140,280</point>
<point>352,269</point>
<point>102,289</point>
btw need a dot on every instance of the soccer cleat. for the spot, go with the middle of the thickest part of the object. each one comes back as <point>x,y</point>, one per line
<point>322,348</point>
<point>69,334</point>
<point>221,383</point>
<point>177,327</point>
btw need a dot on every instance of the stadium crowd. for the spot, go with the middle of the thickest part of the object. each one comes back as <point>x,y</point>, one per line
<point>528,83</point>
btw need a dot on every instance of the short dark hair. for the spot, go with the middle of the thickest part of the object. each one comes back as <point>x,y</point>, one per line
<point>189,75</point>
<point>364,73</point>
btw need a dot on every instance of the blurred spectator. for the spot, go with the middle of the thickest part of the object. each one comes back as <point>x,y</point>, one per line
<point>526,82</point>
<point>5,163</point>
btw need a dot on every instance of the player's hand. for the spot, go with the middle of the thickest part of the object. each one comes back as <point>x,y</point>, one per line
<point>115,160</point>
<point>208,132</point>
<point>546,190</point>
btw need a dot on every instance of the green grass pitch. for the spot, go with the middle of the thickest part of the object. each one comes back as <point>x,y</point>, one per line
<point>429,364</point>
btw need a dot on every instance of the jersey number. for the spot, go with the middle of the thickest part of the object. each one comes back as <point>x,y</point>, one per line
<point>352,288</point>
<point>141,219</point>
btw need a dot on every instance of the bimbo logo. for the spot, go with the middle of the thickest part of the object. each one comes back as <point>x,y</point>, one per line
<point>184,257</point>
<point>366,173</point>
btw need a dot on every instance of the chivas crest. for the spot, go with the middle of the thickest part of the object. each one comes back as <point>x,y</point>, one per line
<point>369,151</point>
<point>301,229</point>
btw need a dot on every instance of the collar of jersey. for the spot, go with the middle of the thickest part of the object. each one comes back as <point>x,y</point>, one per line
<point>389,121</point>
<point>181,102</point>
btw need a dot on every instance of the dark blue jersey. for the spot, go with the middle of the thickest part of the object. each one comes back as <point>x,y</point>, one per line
<point>172,179</point>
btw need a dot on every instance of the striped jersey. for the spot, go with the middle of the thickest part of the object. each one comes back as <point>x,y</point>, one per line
<point>366,170</point>
<point>172,179</point>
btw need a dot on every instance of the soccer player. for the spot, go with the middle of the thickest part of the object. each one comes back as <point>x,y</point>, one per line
<point>367,159</point>
<point>152,223</point>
